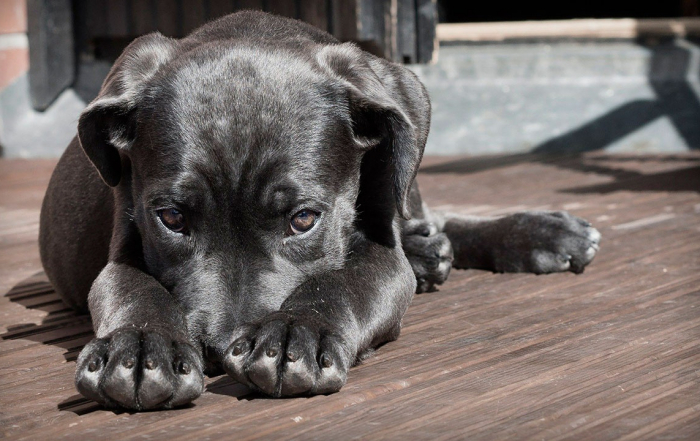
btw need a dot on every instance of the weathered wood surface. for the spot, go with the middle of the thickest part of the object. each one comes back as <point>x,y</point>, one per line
<point>399,30</point>
<point>613,353</point>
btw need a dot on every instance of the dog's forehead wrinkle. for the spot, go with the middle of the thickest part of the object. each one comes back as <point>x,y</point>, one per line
<point>259,181</point>
<point>241,92</point>
<point>267,74</point>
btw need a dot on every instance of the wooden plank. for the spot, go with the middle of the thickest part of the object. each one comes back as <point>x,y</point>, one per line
<point>194,15</point>
<point>426,25</point>
<point>370,26</point>
<point>344,19</point>
<point>95,19</point>
<point>51,58</point>
<point>169,17</point>
<point>690,8</point>
<point>606,28</point>
<point>219,8</point>
<point>407,43</point>
<point>391,33</point>
<point>285,8</point>
<point>118,18</point>
<point>143,16</point>
<point>609,354</point>
<point>314,12</point>
<point>250,4</point>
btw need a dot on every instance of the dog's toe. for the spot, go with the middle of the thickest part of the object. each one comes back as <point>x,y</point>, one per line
<point>120,380</point>
<point>300,367</point>
<point>430,256</point>
<point>288,356</point>
<point>157,377</point>
<point>91,366</point>
<point>139,370</point>
<point>546,242</point>
<point>187,367</point>
<point>332,361</point>
<point>262,365</point>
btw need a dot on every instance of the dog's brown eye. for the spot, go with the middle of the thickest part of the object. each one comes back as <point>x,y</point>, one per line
<point>173,219</point>
<point>303,221</point>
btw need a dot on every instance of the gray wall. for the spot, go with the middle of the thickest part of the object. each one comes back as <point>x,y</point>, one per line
<point>494,98</point>
<point>564,97</point>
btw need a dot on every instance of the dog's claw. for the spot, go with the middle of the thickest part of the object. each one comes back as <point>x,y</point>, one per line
<point>326,361</point>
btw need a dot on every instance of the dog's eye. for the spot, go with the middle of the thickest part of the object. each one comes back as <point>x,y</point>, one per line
<point>303,221</point>
<point>173,219</point>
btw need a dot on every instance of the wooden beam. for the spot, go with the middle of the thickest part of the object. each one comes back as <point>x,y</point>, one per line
<point>314,12</point>
<point>344,19</point>
<point>579,28</point>
<point>51,56</point>
<point>407,45</point>
<point>219,8</point>
<point>426,22</point>
<point>285,8</point>
<point>194,15</point>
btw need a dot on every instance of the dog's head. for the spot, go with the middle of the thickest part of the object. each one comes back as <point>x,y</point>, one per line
<point>244,168</point>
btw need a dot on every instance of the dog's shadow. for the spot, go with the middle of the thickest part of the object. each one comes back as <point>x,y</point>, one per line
<point>62,326</point>
<point>65,328</point>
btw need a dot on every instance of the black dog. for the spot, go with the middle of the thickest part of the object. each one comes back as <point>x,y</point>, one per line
<point>258,175</point>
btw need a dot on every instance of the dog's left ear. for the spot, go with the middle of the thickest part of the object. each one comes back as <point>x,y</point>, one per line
<point>388,104</point>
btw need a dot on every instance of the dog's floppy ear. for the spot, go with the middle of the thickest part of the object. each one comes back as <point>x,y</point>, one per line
<point>107,125</point>
<point>387,104</point>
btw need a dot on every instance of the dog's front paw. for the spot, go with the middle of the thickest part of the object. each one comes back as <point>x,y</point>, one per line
<point>139,370</point>
<point>289,355</point>
<point>549,241</point>
<point>429,253</point>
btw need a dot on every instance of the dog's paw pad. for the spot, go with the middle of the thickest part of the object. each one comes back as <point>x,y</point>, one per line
<point>287,356</point>
<point>561,242</point>
<point>139,370</point>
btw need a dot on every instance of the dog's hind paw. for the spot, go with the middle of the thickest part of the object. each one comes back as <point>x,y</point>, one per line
<point>139,370</point>
<point>289,356</point>
<point>546,242</point>
<point>429,253</point>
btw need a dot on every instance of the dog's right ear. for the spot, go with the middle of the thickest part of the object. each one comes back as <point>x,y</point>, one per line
<point>388,107</point>
<point>107,126</point>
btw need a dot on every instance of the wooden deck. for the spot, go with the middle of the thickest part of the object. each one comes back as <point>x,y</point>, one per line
<point>613,353</point>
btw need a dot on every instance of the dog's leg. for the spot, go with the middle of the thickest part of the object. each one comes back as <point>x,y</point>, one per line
<point>427,248</point>
<point>323,328</point>
<point>533,241</point>
<point>142,357</point>
<point>537,242</point>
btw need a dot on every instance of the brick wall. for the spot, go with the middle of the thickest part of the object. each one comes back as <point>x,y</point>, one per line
<point>14,52</point>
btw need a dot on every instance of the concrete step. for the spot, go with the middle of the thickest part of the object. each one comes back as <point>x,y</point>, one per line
<point>566,96</point>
